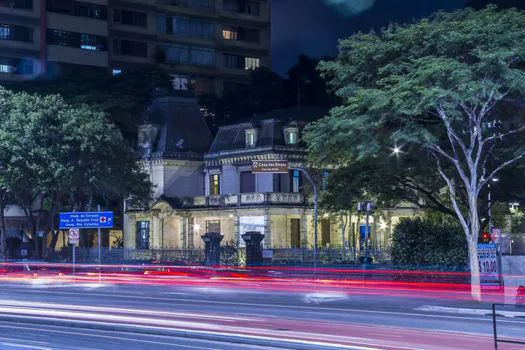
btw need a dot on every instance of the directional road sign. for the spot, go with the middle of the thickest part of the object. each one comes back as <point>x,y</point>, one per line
<point>89,219</point>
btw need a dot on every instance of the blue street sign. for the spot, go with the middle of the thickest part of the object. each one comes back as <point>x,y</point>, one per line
<point>86,219</point>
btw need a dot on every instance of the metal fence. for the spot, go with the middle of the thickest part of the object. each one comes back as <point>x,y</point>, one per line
<point>229,256</point>
<point>325,257</point>
<point>498,309</point>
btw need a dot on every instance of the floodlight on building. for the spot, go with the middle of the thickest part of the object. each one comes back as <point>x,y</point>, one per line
<point>196,227</point>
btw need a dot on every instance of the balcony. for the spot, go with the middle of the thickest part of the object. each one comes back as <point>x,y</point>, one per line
<point>198,8</point>
<point>247,199</point>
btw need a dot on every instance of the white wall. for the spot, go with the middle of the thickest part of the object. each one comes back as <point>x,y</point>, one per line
<point>230,179</point>
<point>513,269</point>
<point>264,182</point>
<point>187,180</point>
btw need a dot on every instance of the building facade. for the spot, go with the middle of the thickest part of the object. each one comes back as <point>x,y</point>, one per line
<point>215,191</point>
<point>212,44</point>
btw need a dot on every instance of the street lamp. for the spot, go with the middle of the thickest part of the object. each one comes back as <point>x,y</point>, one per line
<point>367,207</point>
<point>490,204</point>
<point>396,150</point>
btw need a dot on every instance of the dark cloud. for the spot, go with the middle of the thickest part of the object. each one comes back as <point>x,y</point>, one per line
<point>313,27</point>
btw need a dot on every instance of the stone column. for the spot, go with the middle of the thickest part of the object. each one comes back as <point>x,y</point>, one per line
<point>237,229</point>
<point>304,231</point>
<point>267,229</point>
<point>183,223</point>
<point>154,232</point>
<point>388,230</point>
<point>237,233</point>
<point>191,239</point>
<point>129,232</point>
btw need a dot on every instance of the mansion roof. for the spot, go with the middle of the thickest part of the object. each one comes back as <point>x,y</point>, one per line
<point>176,129</point>
<point>181,130</point>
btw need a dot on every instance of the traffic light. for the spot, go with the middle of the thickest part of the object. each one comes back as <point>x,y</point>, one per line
<point>485,237</point>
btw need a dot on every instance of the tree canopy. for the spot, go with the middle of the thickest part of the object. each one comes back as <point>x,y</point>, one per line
<point>269,91</point>
<point>123,97</point>
<point>451,85</point>
<point>57,156</point>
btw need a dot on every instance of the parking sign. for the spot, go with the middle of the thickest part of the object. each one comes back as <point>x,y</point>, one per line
<point>74,235</point>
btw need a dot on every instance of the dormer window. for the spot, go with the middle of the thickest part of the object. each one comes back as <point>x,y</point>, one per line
<point>291,134</point>
<point>292,137</point>
<point>251,137</point>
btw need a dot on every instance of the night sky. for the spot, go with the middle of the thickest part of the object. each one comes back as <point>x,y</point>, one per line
<point>312,27</point>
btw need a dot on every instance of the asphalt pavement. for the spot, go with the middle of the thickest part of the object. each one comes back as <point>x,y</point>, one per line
<point>210,315</point>
<point>45,337</point>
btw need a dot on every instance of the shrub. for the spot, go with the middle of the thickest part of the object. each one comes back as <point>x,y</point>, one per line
<point>421,242</point>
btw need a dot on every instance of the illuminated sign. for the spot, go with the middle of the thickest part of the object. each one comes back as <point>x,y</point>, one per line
<point>270,166</point>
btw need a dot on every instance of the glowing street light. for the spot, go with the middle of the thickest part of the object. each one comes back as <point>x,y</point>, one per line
<point>397,150</point>
<point>196,227</point>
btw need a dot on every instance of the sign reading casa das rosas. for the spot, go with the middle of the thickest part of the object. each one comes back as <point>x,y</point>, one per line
<point>88,219</point>
<point>270,166</point>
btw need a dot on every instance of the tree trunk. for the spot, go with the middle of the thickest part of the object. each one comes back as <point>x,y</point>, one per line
<point>3,234</point>
<point>344,222</point>
<point>473,246</point>
<point>475,288</point>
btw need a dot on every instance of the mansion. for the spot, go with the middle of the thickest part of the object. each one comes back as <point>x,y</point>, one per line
<point>204,184</point>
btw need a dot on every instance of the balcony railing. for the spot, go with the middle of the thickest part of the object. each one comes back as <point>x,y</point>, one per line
<point>199,4</point>
<point>247,199</point>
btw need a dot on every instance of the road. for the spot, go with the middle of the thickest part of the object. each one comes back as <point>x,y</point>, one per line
<point>216,316</point>
<point>45,337</point>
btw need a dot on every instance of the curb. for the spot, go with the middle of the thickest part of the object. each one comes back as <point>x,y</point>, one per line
<point>181,333</point>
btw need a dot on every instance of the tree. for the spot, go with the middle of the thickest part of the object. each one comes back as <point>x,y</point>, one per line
<point>57,156</point>
<point>4,197</point>
<point>268,91</point>
<point>500,3</point>
<point>265,93</point>
<point>440,83</point>
<point>305,86</point>
<point>123,97</point>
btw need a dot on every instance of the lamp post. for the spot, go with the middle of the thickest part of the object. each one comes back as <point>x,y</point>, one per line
<point>490,204</point>
<point>367,207</point>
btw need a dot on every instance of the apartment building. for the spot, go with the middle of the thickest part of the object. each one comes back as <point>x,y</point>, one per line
<point>209,44</point>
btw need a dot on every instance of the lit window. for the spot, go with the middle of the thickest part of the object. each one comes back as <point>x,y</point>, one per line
<point>88,42</point>
<point>116,72</point>
<point>251,63</point>
<point>215,187</point>
<point>229,33</point>
<point>179,82</point>
<point>4,68</point>
<point>213,226</point>
<point>250,138</point>
<point>292,138</point>
<point>5,31</point>
<point>296,181</point>
<point>142,237</point>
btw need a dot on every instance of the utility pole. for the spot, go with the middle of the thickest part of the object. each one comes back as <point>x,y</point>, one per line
<point>99,242</point>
